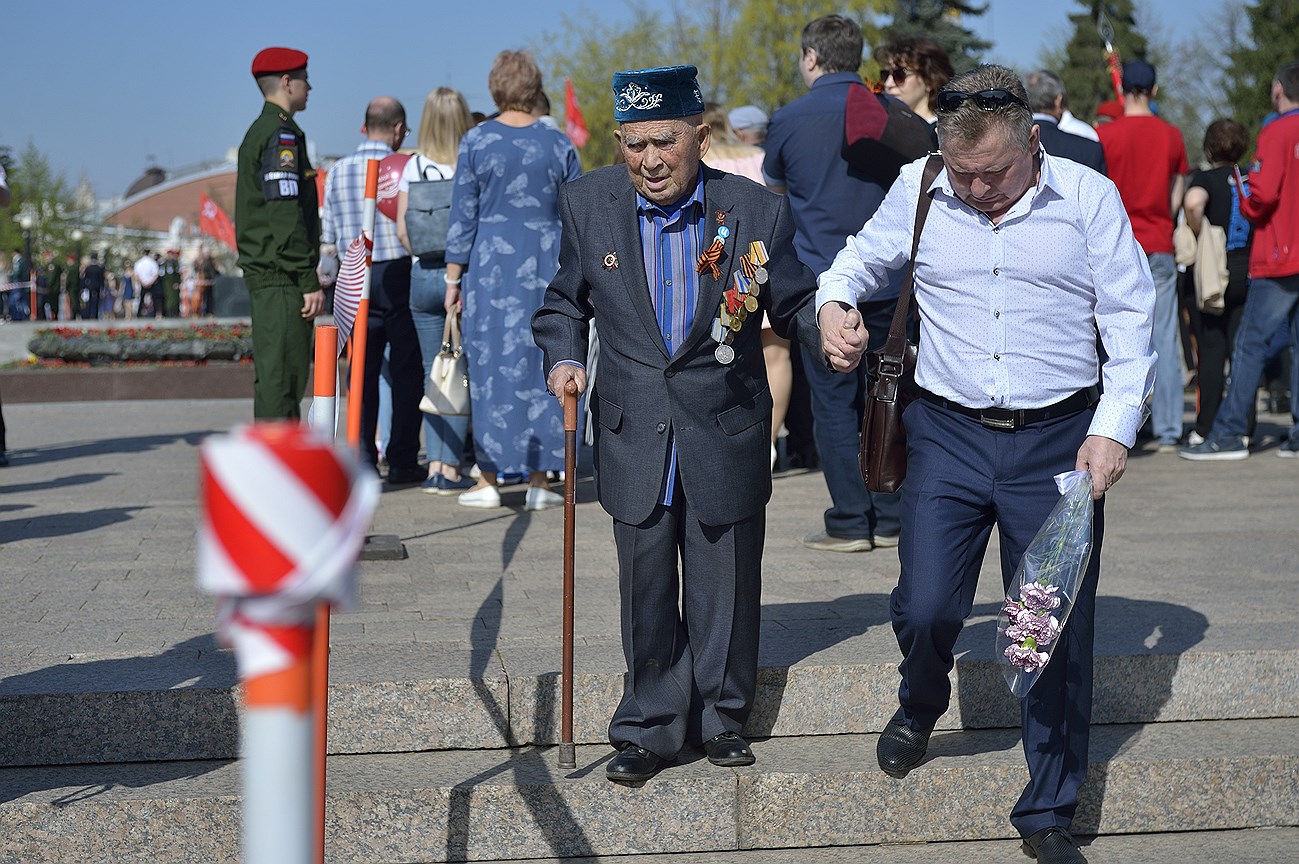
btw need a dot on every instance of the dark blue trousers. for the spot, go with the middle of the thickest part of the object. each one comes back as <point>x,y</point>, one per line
<point>838,400</point>
<point>962,479</point>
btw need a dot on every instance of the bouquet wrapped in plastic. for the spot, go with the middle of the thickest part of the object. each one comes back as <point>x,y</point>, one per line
<point>1045,585</point>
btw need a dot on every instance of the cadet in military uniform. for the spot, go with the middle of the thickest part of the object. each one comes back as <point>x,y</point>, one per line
<point>277,227</point>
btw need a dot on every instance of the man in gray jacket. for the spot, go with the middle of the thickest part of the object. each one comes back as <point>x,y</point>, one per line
<point>676,263</point>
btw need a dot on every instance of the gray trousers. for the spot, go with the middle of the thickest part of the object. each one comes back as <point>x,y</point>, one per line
<point>690,640</point>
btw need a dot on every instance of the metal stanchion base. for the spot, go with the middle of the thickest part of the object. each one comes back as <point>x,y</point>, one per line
<point>383,547</point>
<point>567,755</point>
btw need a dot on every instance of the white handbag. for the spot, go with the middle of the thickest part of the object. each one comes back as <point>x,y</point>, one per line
<point>447,391</point>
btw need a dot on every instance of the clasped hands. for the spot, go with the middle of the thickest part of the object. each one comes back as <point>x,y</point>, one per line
<point>843,335</point>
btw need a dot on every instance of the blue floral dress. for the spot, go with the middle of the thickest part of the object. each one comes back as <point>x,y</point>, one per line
<point>505,230</point>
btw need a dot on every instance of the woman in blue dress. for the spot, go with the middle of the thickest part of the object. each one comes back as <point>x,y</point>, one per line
<point>502,251</point>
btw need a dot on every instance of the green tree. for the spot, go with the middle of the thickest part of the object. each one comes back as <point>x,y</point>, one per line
<point>1081,63</point>
<point>43,195</point>
<point>940,20</point>
<point>1273,42</point>
<point>747,53</point>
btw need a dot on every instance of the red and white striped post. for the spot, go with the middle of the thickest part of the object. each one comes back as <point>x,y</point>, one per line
<point>356,382</point>
<point>323,417</point>
<point>284,515</point>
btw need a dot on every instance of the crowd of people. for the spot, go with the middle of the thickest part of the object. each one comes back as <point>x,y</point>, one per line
<point>155,285</point>
<point>724,282</point>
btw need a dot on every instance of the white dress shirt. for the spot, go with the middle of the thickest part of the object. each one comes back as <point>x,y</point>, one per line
<point>1074,126</point>
<point>1009,313</point>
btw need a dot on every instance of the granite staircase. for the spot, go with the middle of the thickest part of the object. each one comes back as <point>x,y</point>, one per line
<point>456,766</point>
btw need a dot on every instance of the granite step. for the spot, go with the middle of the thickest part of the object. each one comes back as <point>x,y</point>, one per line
<point>1245,846</point>
<point>803,792</point>
<point>90,712</point>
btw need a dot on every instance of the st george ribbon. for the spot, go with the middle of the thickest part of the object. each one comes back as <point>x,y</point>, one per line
<point>284,516</point>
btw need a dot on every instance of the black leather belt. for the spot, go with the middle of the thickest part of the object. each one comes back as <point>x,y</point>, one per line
<point>1006,418</point>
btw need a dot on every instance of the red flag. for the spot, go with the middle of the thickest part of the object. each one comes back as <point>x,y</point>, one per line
<point>574,122</point>
<point>214,222</point>
<point>347,288</point>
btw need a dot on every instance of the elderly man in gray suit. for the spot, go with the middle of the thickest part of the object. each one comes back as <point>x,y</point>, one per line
<point>676,262</point>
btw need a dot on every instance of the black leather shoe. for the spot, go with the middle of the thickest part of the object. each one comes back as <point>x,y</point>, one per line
<point>900,747</point>
<point>411,478</point>
<point>728,750</point>
<point>633,764</point>
<point>1053,846</point>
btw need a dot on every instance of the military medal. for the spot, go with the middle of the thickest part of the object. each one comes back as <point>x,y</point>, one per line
<point>707,262</point>
<point>610,261</point>
<point>725,354</point>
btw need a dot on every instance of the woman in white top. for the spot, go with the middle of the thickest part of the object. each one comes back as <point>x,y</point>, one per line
<point>445,120</point>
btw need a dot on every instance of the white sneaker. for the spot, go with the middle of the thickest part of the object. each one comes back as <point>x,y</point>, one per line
<point>486,498</point>
<point>541,498</point>
<point>1195,439</point>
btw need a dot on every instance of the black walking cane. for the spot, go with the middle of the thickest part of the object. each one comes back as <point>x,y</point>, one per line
<point>567,754</point>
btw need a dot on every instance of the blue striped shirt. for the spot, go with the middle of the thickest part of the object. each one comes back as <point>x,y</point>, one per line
<point>672,240</point>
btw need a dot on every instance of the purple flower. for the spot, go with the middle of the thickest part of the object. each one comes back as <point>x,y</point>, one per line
<point>1026,658</point>
<point>1012,609</point>
<point>1042,629</point>
<point>1040,598</point>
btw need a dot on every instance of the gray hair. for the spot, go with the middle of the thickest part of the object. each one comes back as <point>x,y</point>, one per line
<point>1043,88</point>
<point>969,123</point>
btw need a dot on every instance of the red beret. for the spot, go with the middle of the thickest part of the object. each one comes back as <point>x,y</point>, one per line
<point>1111,108</point>
<point>276,61</point>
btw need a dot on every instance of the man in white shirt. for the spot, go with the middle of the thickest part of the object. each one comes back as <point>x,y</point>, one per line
<point>146,277</point>
<point>1008,373</point>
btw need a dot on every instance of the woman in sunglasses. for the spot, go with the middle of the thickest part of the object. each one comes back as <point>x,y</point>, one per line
<point>914,69</point>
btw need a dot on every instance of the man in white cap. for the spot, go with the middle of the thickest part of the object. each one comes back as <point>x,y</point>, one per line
<point>750,124</point>
<point>676,262</point>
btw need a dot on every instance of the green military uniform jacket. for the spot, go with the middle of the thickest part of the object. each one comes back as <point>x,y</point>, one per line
<point>277,211</point>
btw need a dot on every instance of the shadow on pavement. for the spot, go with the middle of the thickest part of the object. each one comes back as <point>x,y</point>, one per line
<point>104,446</point>
<point>56,483</point>
<point>64,524</point>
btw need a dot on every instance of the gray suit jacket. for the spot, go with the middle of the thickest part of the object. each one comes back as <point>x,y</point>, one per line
<point>720,414</point>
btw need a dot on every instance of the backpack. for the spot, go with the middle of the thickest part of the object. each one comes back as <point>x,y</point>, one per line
<point>428,213</point>
<point>1238,227</point>
<point>1211,276</point>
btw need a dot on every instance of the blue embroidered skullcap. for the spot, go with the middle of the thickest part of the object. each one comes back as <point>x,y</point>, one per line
<point>663,93</point>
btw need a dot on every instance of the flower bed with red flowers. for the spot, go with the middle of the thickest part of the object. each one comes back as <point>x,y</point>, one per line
<point>202,343</point>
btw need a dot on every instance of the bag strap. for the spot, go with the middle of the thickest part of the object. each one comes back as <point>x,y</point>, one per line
<point>898,328</point>
<point>451,333</point>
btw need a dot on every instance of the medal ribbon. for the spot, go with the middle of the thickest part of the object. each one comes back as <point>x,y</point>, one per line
<point>708,260</point>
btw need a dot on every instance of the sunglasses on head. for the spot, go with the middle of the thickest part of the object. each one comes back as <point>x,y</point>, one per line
<point>899,75</point>
<point>984,100</point>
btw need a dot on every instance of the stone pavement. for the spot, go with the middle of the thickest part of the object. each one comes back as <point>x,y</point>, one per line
<point>107,654</point>
<point>97,535</point>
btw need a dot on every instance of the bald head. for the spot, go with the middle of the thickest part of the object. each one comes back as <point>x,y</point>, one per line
<point>382,117</point>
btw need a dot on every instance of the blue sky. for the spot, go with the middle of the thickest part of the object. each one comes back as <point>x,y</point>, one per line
<point>101,87</point>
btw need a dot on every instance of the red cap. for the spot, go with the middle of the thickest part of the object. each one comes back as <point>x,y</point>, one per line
<point>1112,109</point>
<point>276,61</point>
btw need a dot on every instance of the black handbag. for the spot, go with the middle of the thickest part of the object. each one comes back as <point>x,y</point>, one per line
<point>892,371</point>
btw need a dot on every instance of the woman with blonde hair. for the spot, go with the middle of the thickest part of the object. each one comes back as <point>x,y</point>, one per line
<point>445,120</point>
<point>503,245</point>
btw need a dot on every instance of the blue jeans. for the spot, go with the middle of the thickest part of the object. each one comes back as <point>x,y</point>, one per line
<point>837,402</point>
<point>444,437</point>
<point>1169,402</point>
<point>1270,305</point>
